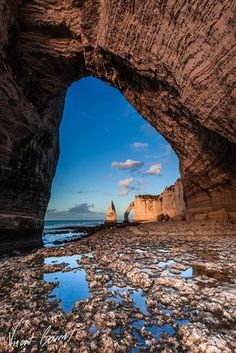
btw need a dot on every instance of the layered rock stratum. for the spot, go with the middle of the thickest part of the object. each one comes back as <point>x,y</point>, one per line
<point>174,61</point>
<point>156,207</point>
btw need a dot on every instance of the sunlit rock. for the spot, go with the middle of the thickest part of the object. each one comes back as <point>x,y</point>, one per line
<point>169,204</point>
<point>111,214</point>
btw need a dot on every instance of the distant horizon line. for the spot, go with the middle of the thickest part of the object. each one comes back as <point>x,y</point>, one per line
<point>74,220</point>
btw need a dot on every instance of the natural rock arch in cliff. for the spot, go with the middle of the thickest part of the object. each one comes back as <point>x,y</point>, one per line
<point>173,61</point>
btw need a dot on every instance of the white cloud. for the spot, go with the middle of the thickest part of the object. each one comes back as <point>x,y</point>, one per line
<point>124,192</point>
<point>126,182</point>
<point>128,164</point>
<point>140,146</point>
<point>154,169</point>
<point>127,186</point>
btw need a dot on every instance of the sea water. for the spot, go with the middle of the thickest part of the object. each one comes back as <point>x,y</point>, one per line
<point>56,233</point>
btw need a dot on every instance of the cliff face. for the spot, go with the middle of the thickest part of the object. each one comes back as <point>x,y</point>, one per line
<point>172,60</point>
<point>170,202</point>
<point>111,216</point>
<point>179,200</point>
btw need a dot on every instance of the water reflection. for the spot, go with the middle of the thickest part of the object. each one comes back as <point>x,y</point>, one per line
<point>164,264</point>
<point>158,331</point>
<point>58,260</point>
<point>72,286</point>
<point>187,273</point>
<point>139,301</point>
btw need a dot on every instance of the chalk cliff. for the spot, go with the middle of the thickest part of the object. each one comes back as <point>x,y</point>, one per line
<point>149,207</point>
<point>111,216</point>
<point>174,61</point>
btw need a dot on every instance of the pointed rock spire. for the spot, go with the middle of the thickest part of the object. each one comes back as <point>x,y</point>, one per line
<point>111,214</point>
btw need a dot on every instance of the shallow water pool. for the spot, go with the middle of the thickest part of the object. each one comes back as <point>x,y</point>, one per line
<point>72,287</point>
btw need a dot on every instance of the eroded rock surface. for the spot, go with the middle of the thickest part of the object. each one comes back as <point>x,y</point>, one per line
<point>151,207</point>
<point>136,289</point>
<point>174,61</point>
<point>111,216</point>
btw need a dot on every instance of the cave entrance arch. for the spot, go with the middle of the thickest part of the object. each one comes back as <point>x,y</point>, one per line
<point>174,66</point>
<point>99,127</point>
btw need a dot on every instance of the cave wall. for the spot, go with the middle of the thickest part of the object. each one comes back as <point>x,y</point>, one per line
<point>174,61</point>
<point>180,205</point>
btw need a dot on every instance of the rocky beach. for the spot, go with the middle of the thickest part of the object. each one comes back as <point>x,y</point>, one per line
<point>148,288</point>
<point>131,101</point>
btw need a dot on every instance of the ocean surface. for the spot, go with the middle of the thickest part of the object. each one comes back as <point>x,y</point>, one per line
<point>56,234</point>
<point>51,225</point>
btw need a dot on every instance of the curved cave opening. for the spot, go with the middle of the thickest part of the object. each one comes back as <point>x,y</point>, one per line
<point>108,151</point>
<point>190,102</point>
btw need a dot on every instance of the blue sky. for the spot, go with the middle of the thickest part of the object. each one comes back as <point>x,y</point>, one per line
<point>107,152</point>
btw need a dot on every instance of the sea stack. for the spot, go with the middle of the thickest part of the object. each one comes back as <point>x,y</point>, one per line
<point>111,214</point>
